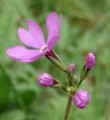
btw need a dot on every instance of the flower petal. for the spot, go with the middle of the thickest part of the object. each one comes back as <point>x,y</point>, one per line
<point>76,100</point>
<point>53,27</point>
<point>23,54</point>
<point>33,57</point>
<point>27,38</point>
<point>36,31</point>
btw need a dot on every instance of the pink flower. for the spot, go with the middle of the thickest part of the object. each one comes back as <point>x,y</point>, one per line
<point>90,60</point>
<point>34,38</point>
<point>46,80</point>
<point>81,99</point>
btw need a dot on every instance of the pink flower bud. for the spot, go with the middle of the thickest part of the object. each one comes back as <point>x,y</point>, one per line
<point>46,80</point>
<point>90,60</point>
<point>71,68</point>
<point>81,99</point>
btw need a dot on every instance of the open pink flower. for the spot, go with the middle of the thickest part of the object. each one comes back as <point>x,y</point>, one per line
<point>34,38</point>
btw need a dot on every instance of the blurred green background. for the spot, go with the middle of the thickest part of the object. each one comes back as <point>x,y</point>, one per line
<point>85,27</point>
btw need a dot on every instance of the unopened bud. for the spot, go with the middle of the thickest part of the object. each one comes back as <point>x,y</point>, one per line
<point>46,80</point>
<point>70,71</point>
<point>90,60</point>
<point>71,68</point>
<point>81,99</point>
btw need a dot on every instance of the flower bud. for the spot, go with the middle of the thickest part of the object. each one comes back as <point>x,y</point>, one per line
<point>81,99</point>
<point>46,80</point>
<point>90,60</point>
<point>70,72</point>
<point>71,68</point>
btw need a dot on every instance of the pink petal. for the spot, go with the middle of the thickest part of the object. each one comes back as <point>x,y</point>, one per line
<point>36,31</point>
<point>53,27</point>
<point>27,38</point>
<point>23,54</point>
<point>76,100</point>
<point>33,57</point>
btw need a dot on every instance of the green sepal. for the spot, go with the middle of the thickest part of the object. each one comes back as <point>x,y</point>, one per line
<point>57,63</point>
<point>84,73</point>
<point>57,86</point>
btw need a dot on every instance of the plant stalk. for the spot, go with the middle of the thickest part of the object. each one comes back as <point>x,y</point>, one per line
<point>68,108</point>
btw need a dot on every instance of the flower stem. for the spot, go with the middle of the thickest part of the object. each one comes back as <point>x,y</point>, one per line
<point>79,83</point>
<point>68,108</point>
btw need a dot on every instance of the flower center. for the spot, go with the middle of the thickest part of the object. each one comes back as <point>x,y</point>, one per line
<point>44,48</point>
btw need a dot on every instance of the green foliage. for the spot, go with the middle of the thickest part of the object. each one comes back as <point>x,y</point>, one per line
<point>85,27</point>
<point>13,115</point>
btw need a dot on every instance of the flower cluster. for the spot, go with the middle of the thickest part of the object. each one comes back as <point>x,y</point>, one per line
<point>34,38</point>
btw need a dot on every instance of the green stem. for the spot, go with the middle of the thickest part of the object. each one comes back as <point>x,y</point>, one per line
<point>79,83</point>
<point>68,108</point>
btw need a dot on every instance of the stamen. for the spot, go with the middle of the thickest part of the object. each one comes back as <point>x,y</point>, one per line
<point>44,48</point>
